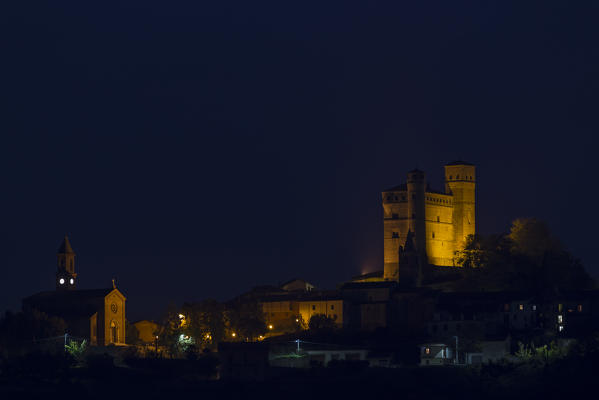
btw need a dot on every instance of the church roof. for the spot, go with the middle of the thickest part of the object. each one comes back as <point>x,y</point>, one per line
<point>68,304</point>
<point>65,247</point>
<point>458,162</point>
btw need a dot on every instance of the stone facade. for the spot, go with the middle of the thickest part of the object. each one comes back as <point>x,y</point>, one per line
<point>439,221</point>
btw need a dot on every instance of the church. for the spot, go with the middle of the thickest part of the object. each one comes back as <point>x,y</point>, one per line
<point>97,315</point>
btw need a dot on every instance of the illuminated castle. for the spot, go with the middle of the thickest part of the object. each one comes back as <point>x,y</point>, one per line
<point>437,222</point>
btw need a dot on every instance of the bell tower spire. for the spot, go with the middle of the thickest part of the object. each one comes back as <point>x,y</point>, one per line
<point>65,263</point>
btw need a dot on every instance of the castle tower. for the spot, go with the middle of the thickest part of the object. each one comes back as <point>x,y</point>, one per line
<point>410,263</point>
<point>65,263</point>
<point>416,187</point>
<point>460,182</point>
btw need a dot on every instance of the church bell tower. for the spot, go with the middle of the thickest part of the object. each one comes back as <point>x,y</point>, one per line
<point>65,260</point>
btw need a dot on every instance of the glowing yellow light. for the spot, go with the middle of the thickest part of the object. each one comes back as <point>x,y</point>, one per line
<point>270,326</point>
<point>233,334</point>
<point>181,316</point>
<point>156,336</point>
<point>297,320</point>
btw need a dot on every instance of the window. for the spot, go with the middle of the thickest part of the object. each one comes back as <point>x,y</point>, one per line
<point>534,307</point>
<point>433,235</point>
<point>438,219</point>
<point>579,308</point>
<point>313,307</point>
<point>395,216</point>
<point>457,177</point>
<point>560,328</point>
<point>560,319</point>
<point>560,307</point>
<point>427,350</point>
<point>395,235</point>
<point>506,307</point>
<point>332,306</point>
<point>450,177</point>
<point>521,307</point>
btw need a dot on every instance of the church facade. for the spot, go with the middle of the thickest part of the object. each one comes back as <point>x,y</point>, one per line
<point>97,315</point>
<point>436,222</point>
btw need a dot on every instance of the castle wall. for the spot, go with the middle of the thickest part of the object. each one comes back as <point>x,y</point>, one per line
<point>395,223</point>
<point>440,244</point>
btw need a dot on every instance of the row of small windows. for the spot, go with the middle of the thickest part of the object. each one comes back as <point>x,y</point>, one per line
<point>467,178</point>
<point>314,307</point>
<point>435,200</point>
<point>396,198</point>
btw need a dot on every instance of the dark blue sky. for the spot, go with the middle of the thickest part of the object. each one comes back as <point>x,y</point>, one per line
<point>194,150</point>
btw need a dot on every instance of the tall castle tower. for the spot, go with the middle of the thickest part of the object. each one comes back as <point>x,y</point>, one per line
<point>439,221</point>
<point>460,178</point>
<point>65,263</point>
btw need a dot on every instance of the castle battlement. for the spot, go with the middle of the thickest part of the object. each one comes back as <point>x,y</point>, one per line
<point>439,220</point>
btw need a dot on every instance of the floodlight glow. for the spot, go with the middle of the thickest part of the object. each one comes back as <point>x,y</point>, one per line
<point>61,281</point>
<point>71,281</point>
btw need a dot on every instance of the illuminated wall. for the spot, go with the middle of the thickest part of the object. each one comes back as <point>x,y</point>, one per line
<point>330,308</point>
<point>114,313</point>
<point>440,221</point>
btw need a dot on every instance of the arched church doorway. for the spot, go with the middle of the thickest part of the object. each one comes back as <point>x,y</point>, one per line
<point>114,332</point>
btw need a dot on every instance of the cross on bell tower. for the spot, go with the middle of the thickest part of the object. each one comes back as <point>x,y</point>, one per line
<point>65,260</point>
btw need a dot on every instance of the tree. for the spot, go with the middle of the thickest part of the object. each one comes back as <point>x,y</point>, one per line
<point>246,319</point>
<point>528,259</point>
<point>532,238</point>
<point>321,322</point>
<point>27,329</point>
<point>205,322</point>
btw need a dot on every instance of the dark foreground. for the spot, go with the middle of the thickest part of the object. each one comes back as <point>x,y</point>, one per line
<point>567,378</point>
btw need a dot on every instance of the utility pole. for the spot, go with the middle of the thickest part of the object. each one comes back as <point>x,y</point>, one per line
<point>298,343</point>
<point>457,360</point>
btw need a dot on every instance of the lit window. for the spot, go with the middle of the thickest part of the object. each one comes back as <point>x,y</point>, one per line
<point>61,281</point>
<point>427,350</point>
<point>560,328</point>
<point>560,319</point>
<point>560,307</point>
<point>579,308</point>
<point>521,307</point>
<point>534,307</point>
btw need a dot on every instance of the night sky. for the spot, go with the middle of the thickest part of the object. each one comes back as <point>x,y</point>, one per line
<point>197,149</point>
